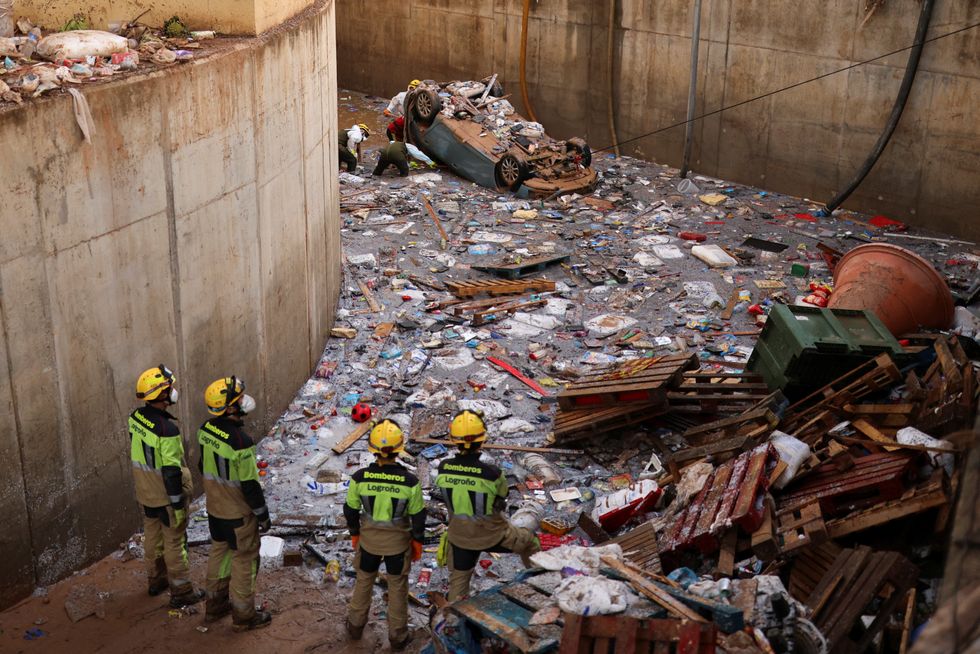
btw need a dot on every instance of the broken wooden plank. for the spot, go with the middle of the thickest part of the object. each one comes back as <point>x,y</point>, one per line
<point>931,495</point>
<point>500,446</point>
<point>352,437</point>
<point>651,590</point>
<point>369,297</point>
<point>435,219</point>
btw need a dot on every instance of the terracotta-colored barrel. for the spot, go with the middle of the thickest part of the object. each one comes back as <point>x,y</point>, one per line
<point>898,286</point>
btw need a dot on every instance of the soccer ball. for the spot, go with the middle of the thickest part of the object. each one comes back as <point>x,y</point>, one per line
<point>360,412</point>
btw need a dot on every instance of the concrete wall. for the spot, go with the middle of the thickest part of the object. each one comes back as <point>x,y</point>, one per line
<point>806,142</point>
<point>225,16</point>
<point>199,229</point>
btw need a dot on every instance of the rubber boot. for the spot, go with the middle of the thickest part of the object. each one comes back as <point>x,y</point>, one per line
<point>399,645</point>
<point>257,621</point>
<point>158,582</point>
<point>218,605</point>
<point>355,633</point>
<point>185,597</point>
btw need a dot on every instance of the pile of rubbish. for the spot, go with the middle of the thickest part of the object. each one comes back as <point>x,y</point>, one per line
<point>714,451</point>
<point>36,62</point>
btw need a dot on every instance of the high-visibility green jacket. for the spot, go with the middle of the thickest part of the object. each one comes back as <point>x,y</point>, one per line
<point>231,476</point>
<point>385,508</point>
<point>474,492</point>
<point>157,453</point>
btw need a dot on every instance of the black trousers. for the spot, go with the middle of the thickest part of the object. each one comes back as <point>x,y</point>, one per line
<point>349,159</point>
<point>394,563</point>
<point>464,559</point>
<point>384,162</point>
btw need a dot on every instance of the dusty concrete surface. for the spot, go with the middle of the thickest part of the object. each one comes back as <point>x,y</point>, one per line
<point>807,142</point>
<point>199,229</point>
<point>130,622</point>
<point>247,17</point>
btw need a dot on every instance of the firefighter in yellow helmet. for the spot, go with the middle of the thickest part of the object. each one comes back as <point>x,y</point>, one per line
<point>385,514</point>
<point>163,486</point>
<point>396,107</point>
<point>475,492</point>
<point>237,512</point>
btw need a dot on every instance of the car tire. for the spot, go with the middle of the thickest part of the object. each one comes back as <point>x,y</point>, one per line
<point>510,172</point>
<point>426,106</point>
<point>580,147</point>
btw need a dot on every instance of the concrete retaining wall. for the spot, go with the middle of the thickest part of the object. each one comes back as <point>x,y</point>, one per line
<point>200,229</point>
<point>807,142</point>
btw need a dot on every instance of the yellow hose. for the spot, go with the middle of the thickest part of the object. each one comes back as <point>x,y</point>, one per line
<point>524,97</point>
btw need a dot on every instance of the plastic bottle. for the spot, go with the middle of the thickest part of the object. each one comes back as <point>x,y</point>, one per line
<point>6,18</point>
<point>542,469</point>
<point>331,573</point>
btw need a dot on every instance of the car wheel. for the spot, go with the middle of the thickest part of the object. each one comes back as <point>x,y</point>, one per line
<point>581,148</point>
<point>426,106</point>
<point>510,172</point>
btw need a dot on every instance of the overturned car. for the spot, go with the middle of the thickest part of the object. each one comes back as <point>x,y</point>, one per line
<point>473,129</point>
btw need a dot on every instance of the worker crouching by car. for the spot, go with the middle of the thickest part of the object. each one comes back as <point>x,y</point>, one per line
<point>474,492</point>
<point>397,154</point>
<point>385,514</point>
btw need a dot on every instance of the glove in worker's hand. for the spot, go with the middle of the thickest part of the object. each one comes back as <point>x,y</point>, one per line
<point>416,550</point>
<point>265,524</point>
<point>388,113</point>
<point>433,165</point>
<point>354,540</point>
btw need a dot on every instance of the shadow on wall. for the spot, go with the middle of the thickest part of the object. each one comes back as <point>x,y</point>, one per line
<point>199,229</point>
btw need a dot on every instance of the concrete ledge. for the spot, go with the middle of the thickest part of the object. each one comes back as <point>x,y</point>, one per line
<point>200,228</point>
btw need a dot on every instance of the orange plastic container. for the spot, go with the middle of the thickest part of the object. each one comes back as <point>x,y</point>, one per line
<point>898,286</point>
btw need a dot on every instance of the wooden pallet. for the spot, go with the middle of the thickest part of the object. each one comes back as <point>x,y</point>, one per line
<point>874,478</point>
<point>524,268</point>
<point>734,494</point>
<point>856,579</point>
<point>499,614</point>
<point>625,635</point>
<point>809,567</point>
<point>934,493</point>
<point>809,412</point>
<point>800,527</point>
<point>644,381</point>
<point>718,393</point>
<point>640,547</point>
<point>496,287</point>
<point>576,425</point>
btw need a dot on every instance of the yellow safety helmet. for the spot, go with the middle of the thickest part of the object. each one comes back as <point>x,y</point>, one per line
<point>468,428</point>
<point>414,84</point>
<point>153,382</point>
<point>364,128</point>
<point>222,394</point>
<point>386,439</point>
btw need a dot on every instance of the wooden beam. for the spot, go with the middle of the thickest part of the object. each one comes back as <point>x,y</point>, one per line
<point>496,446</point>
<point>435,219</point>
<point>651,590</point>
<point>352,437</point>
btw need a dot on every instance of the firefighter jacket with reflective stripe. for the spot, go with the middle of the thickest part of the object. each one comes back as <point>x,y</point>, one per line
<point>157,453</point>
<point>231,477</point>
<point>474,492</point>
<point>385,507</point>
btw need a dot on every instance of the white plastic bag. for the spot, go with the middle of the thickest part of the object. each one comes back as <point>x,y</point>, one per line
<point>585,559</point>
<point>793,452</point>
<point>592,596</point>
<point>79,44</point>
<point>912,436</point>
